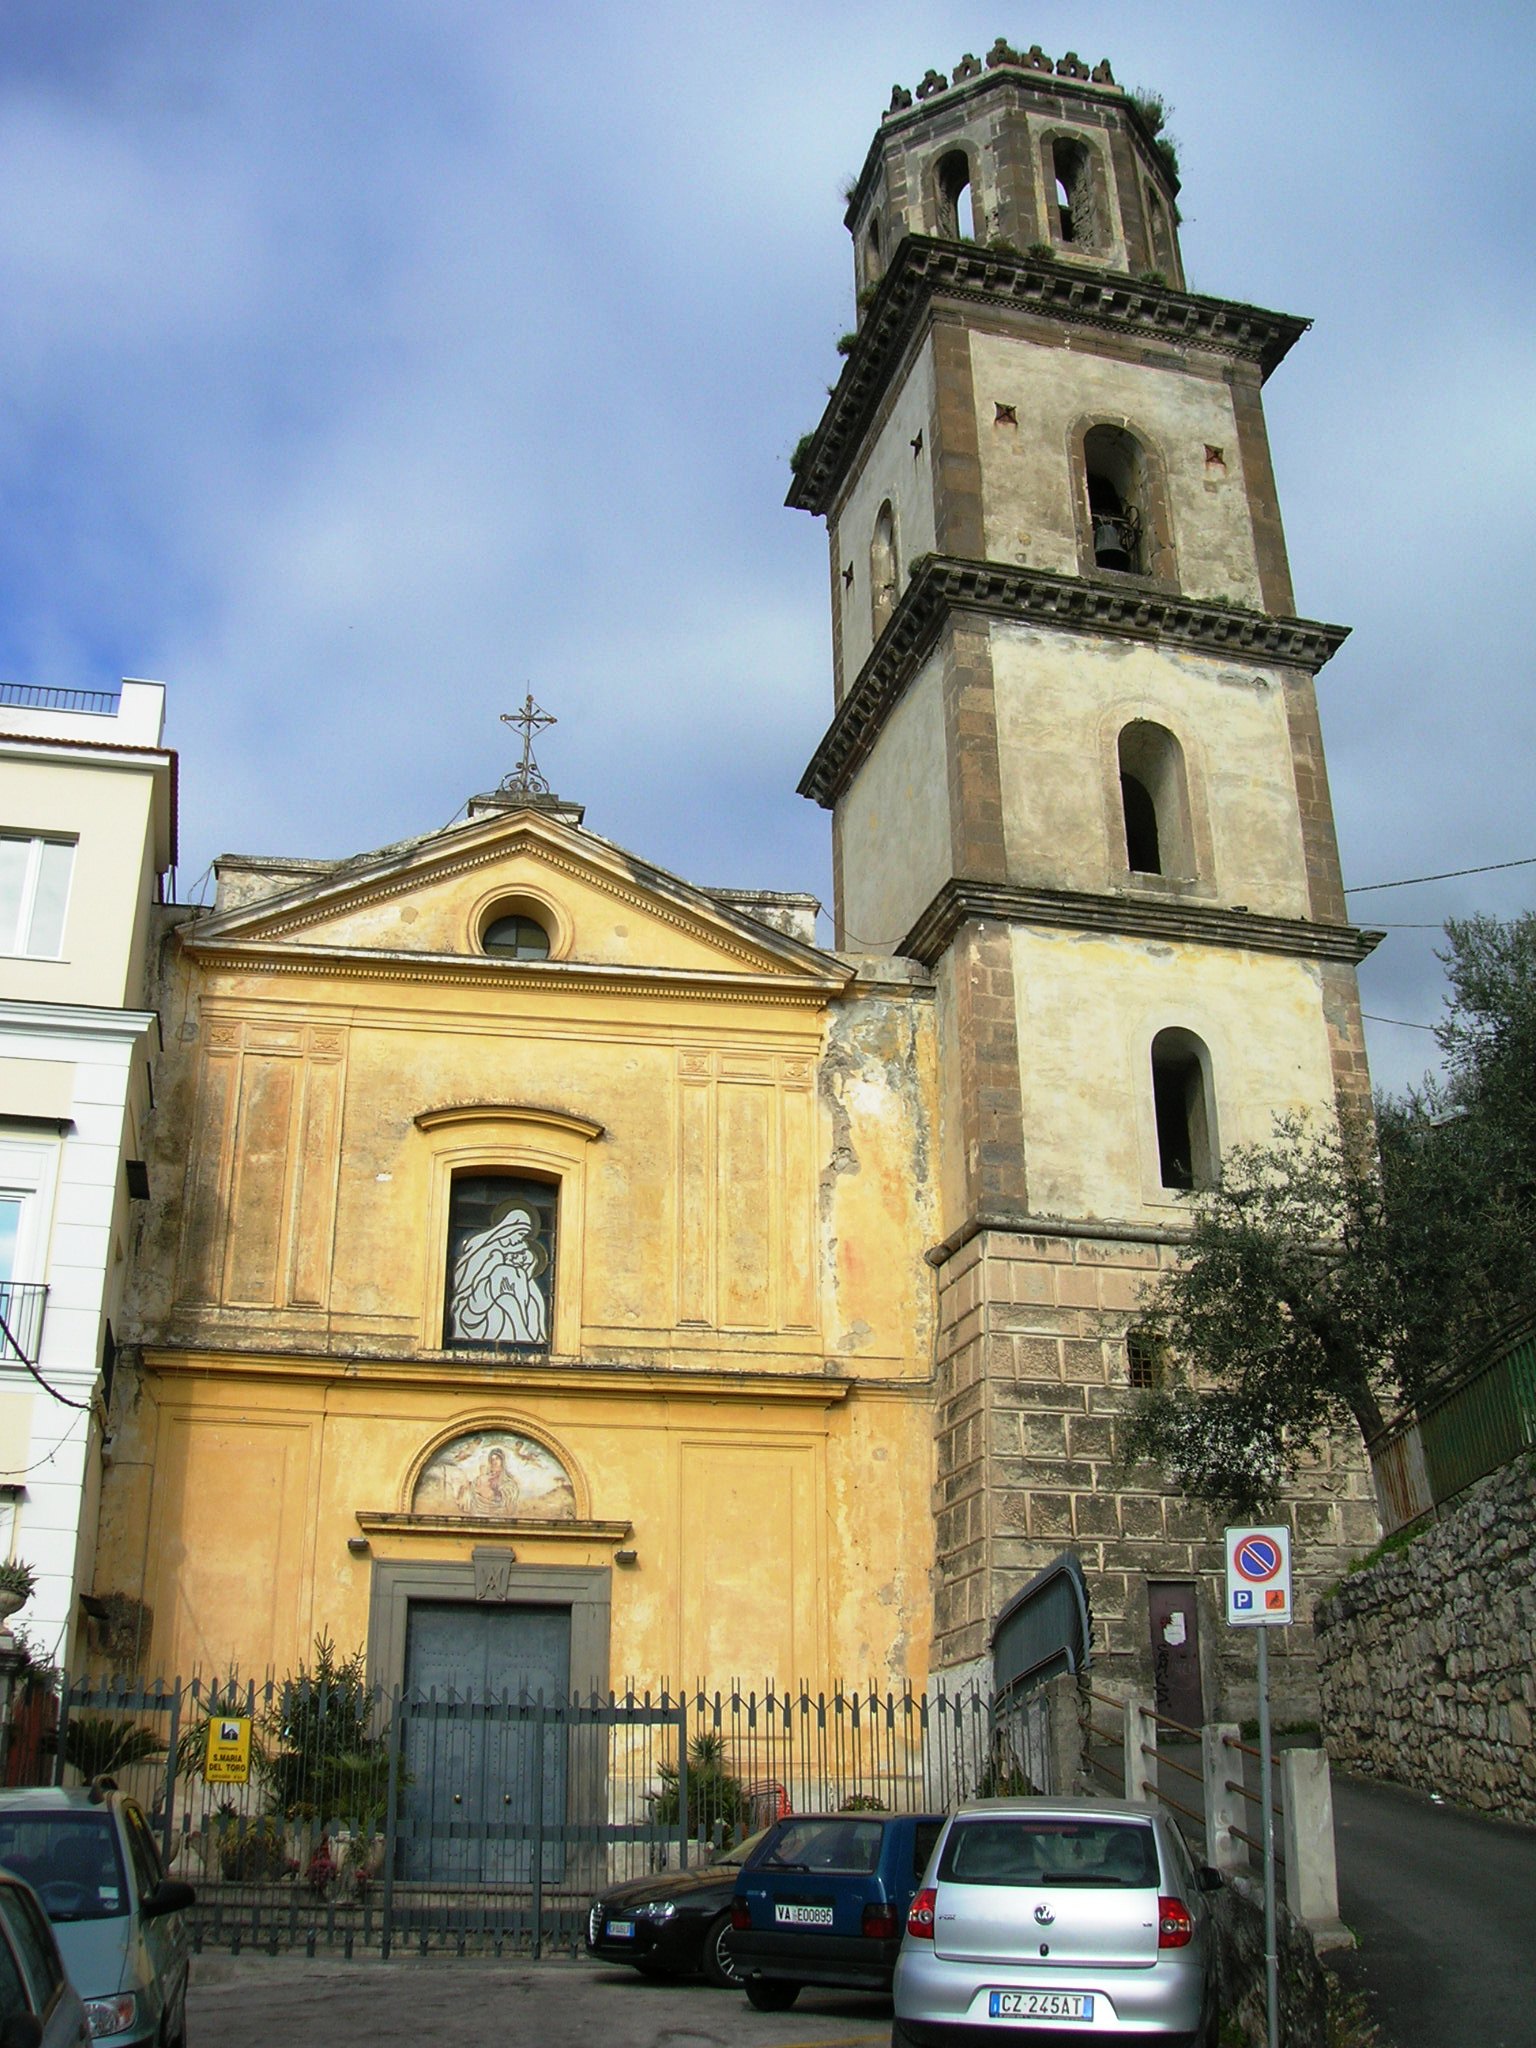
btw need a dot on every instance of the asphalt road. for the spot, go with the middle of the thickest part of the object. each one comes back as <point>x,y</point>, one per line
<point>260,2001</point>
<point>1443,1904</point>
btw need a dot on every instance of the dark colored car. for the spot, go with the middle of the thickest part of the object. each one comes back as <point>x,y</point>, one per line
<point>673,1923</point>
<point>824,1901</point>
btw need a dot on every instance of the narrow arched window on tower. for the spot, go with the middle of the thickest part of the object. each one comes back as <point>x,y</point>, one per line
<point>1077,213</point>
<point>1161,237</point>
<point>957,202</point>
<point>1154,801</point>
<point>873,266</point>
<point>1142,852</point>
<point>882,568</point>
<point>1115,472</point>
<point>1181,1102</point>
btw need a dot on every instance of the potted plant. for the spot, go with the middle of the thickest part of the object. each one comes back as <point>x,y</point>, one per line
<point>17,1580</point>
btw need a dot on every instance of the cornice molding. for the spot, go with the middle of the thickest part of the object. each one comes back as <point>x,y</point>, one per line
<point>997,1223</point>
<point>380,1522</point>
<point>346,963</point>
<point>73,1020</point>
<point>459,1113</point>
<point>944,584</point>
<point>1130,917</point>
<point>925,269</point>
<point>207,1365</point>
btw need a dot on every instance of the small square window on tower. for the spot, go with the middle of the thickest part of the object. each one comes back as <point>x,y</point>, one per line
<point>1143,1361</point>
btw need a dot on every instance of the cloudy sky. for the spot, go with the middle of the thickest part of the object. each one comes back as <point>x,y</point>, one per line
<point>365,363</point>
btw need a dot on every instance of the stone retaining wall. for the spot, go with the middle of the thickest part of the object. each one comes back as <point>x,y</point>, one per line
<point>1427,1661</point>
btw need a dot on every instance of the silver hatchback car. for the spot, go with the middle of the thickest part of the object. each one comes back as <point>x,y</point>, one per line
<point>1059,1916</point>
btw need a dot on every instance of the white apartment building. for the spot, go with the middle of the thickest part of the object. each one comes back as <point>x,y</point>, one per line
<point>87,836</point>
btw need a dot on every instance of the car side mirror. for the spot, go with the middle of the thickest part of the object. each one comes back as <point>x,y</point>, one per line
<point>22,2030</point>
<point>170,1895</point>
<point>1209,1879</point>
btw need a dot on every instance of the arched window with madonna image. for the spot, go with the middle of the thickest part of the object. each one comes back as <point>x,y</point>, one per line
<point>501,1263</point>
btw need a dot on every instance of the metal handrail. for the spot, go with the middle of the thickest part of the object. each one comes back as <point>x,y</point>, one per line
<point>1162,1757</point>
<point>44,697</point>
<point>21,1321</point>
<point>1253,1798</point>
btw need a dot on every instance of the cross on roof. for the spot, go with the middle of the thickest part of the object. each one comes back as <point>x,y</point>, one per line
<point>525,779</point>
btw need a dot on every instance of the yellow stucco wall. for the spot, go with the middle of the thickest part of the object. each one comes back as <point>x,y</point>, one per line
<point>742,1324</point>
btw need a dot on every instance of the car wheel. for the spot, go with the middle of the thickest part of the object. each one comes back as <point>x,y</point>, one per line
<point>717,1964</point>
<point>770,1994</point>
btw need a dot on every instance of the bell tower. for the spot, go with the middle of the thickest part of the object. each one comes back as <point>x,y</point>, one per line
<point>1074,768</point>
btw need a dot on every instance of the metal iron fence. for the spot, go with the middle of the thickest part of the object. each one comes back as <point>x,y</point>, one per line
<point>21,1320</point>
<point>440,1820</point>
<point>44,697</point>
<point>1458,1435</point>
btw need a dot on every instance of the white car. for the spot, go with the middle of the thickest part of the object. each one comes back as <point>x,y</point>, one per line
<point>1076,1916</point>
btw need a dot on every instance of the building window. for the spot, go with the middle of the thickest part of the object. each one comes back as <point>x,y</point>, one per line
<point>1161,238</point>
<point>34,889</point>
<point>501,1263</point>
<point>1074,189</point>
<point>1115,470</point>
<point>873,266</point>
<point>1154,801</point>
<point>957,201</point>
<point>516,938</point>
<point>1181,1101</point>
<point>1142,1361</point>
<point>882,567</point>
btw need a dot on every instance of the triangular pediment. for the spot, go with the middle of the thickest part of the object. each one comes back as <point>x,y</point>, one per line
<point>604,910</point>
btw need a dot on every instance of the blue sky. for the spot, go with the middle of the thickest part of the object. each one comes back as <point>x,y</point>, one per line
<point>364,363</point>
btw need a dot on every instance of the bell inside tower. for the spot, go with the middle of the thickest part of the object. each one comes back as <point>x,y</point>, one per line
<point>1116,494</point>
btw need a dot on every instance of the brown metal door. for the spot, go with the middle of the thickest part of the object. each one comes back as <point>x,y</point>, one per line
<point>1175,1650</point>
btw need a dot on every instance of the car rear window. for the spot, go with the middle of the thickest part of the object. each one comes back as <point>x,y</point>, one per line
<point>1026,1851</point>
<point>71,1861</point>
<point>852,1845</point>
<point>926,1833</point>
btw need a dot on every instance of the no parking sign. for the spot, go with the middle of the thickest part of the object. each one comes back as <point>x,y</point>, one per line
<point>1258,1577</point>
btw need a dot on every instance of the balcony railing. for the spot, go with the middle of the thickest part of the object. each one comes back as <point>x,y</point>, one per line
<point>1459,1433</point>
<point>41,697</point>
<point>21,1321</point>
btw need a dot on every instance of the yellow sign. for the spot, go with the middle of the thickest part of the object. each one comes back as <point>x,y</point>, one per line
<point>229,1750</point>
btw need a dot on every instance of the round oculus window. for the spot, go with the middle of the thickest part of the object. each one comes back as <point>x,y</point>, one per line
<point>516,938</point>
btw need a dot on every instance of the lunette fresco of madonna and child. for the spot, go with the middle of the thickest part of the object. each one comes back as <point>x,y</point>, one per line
<point>495,1475</point>
<point>498,1290</point>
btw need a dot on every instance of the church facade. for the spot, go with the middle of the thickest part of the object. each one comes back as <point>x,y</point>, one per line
<point>556,1238</point>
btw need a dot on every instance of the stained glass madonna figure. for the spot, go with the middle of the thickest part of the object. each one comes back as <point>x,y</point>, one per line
<point>501,1263</point>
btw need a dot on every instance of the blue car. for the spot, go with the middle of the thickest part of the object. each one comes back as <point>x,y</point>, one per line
<point>824,1901</point>
<point>120,1922</point>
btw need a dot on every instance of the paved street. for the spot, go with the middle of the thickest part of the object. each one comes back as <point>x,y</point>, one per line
<point>1441,1902</point>
<point>261,2002</point>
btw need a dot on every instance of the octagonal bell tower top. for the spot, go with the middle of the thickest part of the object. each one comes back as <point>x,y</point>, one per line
<point>1026,154</point>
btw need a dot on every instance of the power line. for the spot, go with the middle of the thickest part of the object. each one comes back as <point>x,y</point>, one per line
<point>1405,1023</point>
<point>1450,875</point>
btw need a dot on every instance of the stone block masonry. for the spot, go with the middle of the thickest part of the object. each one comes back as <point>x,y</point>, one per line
<point>1427,1660</point>
<point>1032,1391</point>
